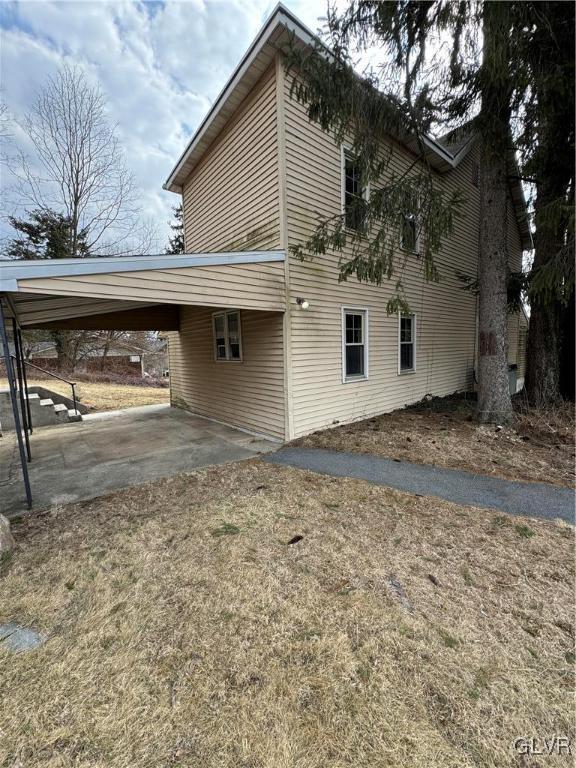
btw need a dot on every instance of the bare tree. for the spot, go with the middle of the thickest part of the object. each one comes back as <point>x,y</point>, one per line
<point>79,167</point>
<point>5,132</point>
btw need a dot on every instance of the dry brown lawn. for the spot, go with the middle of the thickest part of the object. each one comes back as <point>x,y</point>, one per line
<point>537,447</point>
<point>184,630</point>
<point>105,397</point>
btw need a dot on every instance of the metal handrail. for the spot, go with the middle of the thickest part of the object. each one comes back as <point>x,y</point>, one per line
<point>71,384</point>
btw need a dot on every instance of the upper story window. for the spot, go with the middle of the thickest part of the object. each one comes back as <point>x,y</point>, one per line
<point>406,343</point>
<point>409,224</point>
<point>354,193</point>
<point>409,234</point>
<point>227,338</point>
<point>354,343</point>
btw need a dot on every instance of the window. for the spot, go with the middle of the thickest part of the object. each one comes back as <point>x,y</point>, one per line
<point>354,344</point>
<point>409,235</point>
<point>227,341</point>
<point>354,195</point>
<point>406,343</point>
<point>409,223</point>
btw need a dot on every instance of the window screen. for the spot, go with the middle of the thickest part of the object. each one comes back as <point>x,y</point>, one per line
<point>220,336</point>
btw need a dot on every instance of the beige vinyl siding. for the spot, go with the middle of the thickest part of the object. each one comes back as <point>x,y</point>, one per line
<point>34,309</point>
<point>445,314</point>
<point>231,199</point>
<point>247,394</point>
<point>522,341</point>
<point>255,286</point>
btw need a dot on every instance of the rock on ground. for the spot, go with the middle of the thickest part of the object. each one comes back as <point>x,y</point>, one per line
<point>7,542</point>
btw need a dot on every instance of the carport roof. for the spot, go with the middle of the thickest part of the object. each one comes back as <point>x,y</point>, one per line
<point>12,271</point>
<point>130,291</point>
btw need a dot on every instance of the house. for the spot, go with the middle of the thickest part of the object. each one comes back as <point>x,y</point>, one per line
<point>260,339</point>
<point>256,175</point>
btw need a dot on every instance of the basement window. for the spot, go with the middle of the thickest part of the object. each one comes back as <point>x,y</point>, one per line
<point>406,343</point>
<point>354,344</point>
<point>227,337</point>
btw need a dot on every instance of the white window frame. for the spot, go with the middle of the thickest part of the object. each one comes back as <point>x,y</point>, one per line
<point>224,313</point>
<point>365,338</point>
<point>345,149</point>
<point>407,371</point>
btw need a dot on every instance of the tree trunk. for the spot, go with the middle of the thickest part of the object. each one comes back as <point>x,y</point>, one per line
<point>105,350</point>
<point>568,348</point>
<point>494,403</point>
<point>542,384</point>
<point>64,351</point>
<point>550,350</point>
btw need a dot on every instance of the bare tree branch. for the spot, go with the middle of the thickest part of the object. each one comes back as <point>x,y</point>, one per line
<point>78,168</point>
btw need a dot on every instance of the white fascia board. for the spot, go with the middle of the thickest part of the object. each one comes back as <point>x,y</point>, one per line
<point>12,271</point>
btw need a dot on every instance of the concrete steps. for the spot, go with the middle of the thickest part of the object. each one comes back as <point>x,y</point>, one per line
<point>45,411</point>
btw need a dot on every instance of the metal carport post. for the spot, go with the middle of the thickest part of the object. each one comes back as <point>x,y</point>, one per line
<point>14,400</point>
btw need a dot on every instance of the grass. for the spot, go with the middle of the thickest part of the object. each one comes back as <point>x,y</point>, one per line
<point>103,396</point>
<point>537,447</point>
<point>169,645</point>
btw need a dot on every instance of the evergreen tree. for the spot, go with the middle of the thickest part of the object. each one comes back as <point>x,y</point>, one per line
<point>176,242</point>
<point>45,235</point>
<point>547,143</point>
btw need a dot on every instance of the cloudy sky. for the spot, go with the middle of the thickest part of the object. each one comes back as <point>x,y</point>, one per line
<point>160,65</point>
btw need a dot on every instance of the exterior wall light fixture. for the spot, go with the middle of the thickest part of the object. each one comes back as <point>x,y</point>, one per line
<point>302,303</point>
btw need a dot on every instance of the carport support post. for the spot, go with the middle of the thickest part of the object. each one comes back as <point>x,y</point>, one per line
<point>10,374</point>
<point>23,395</point>
<point>25,379</point>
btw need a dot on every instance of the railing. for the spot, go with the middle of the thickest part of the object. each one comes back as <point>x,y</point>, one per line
<point>71,384</point>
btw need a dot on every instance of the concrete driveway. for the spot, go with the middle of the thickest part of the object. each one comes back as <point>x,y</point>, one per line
<point>108,451</point>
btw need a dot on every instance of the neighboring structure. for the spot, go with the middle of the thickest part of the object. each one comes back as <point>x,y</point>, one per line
<point>258,338</point>
<point>118,357</point>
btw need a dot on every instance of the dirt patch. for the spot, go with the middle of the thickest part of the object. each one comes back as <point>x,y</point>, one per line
<point>185,629</point>
<point>538,446</point>
<point>101,396</point>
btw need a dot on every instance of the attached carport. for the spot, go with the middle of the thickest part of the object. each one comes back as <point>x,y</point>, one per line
<point>124,293</point>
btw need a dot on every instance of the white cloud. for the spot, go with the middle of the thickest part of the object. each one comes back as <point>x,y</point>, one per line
<point>159,64</point>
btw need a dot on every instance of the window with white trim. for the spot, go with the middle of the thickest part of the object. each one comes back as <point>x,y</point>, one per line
<point>410,224</point>
<point>406,343</point>
<point>409,234</point>
<point>354,193</point>
<point>354,344</point>
<point>227,337</point>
